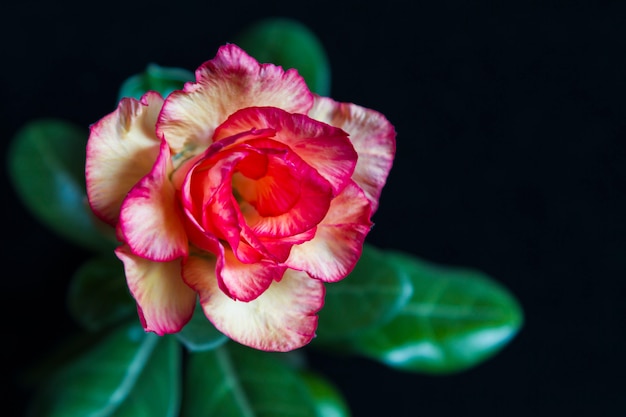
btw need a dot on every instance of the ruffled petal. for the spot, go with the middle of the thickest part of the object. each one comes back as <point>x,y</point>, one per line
<point>207,195</point>
<point>150,218</point>
<point>245,281</point>
<point>239,280</point>
<point>277,249</point>
<point>373,138</point>
<point>209,202</point>
<point>323,147</point>
<point>289,198</point>
<point>279,197</point>
<point>231,81</point>
<point>122,148</point>
<point>164,302</point>
<point>338,243</point>
<point>283,318</point>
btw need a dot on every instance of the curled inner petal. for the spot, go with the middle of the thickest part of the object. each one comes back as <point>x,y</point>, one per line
<point>325,148</point>
<point>249,187</point>
<point>289,199</point>
<point>237,280</point>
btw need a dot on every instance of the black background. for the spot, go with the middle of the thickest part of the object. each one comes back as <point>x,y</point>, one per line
<point>510,159</point>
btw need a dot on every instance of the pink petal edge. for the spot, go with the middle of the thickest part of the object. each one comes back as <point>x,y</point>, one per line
<point>231,81</point>
<point>373,138</point>
<point>336,248</point>
<point>150,222</point>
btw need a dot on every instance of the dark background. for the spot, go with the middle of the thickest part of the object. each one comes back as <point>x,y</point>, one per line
<point>510,158</point>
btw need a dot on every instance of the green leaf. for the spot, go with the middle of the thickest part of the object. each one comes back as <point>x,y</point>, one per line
<point>290,44</point>
<point>130,373</point>
<point>455,319</point>
<point>46,161</point>
<point>200,334</point>
<point>236,381</point>
<point>328,400</point>
<point>155,78</point>
<point>98,295</point>
<point>157,393</point>
<point>371,295</point>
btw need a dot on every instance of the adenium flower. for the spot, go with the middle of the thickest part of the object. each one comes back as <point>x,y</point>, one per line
<point>243,191</point>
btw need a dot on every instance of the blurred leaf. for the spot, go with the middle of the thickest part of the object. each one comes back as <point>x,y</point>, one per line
<point>371,295</point>
<point>46,162</point>
<point>295,359</point>
<point>328,400</point>
<point>290,44</point>
<point>98,295</point>
<point>129,374</point>
<point>157,392</point>
<point>57,355</point>
<point>155,78</point>
<point>455,319</point>
<point>236,381</point>
<point>200,334</point>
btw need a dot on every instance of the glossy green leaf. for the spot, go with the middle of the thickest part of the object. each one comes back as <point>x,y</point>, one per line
<point>328,400</point>
<point>46,162</point>
<point>200,334</point>
<point>290,44</point>
<point>155,78</point>
<point>455,319</point>
<point>130,373</point>
<point>236,381</point>
<point>98,295</point>
<point>373,293</point>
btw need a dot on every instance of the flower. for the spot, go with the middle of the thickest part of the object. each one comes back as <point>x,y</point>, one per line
<point>244,191</point>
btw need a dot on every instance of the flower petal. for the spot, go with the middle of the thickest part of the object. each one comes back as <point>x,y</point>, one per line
<point>259,215</point>
<point>239,280</point>
<point>231,81</point>
<point>323,147</point>
<point>246,281</point>
<point>338,243</point>
<point>208,201</point>
<point>372,136</point>
<point>164,302</point>
<point>150,219</point>
<point>283,318</point>
<point>289,199</point>
<point>122,148</point>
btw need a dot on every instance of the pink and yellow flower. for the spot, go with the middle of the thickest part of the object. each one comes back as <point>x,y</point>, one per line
<point>244,191</point>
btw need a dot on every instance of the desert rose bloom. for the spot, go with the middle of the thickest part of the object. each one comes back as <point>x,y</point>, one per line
<point>244,191</point>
